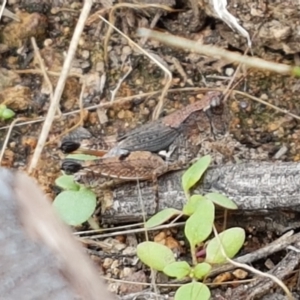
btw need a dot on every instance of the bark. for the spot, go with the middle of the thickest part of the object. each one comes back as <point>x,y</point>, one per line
<point>252,186</point>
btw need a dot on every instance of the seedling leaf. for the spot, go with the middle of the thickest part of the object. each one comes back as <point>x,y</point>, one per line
<point>221,200</point>
<point>161,217</point>
<point>178,269</point>
<point>232,240</point>
<point>192,204</point>
<point>82,156</point>
<point>199,225</point>
<point>7,114</point>
<point>75,207</point>
<point>193,291</point>
<point>66,182</point>
<point>195,172</point>
<point>201,270</point>
<point>155,255</point>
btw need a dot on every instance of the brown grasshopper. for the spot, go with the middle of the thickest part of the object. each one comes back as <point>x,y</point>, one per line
<point>157,135</point>
<point>138,165</point>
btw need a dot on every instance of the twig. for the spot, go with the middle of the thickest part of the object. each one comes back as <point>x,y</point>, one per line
<point>114,92</point>
<point>81,111</point>
<point>2,8</point>
<point>34,71</point>
<point>44,71</point>
<point>60,84</point>
<point>137,230</point>
<point>123,100</point>
<point>213,51</point>
<point>10,128</point>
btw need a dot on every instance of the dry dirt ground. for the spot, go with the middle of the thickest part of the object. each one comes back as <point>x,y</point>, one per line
<point>253,130</point>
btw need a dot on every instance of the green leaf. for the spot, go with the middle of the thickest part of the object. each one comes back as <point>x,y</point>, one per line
<point>193,174</point>
<point>201,270</point>
<point>232,240</point>
<point>192,204</point>
<point>7,114</point>
<point>221,200</point>
<point>155,255</point>
<point>193,291</point>
<point>66,182</point>
<point>2,108</point>
<point>178,269</point>
<point>82,156</point>
<point>75,207</point>
<point>199,225</point>
<point>295,71</point>
<point>161,217</point>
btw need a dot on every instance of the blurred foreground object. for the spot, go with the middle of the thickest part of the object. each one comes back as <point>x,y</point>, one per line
<point>39,257</point>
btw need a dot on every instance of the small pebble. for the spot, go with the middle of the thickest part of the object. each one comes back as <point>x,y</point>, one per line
<point>264,97</point>
<point>229,72</point>
<point>107,263</point>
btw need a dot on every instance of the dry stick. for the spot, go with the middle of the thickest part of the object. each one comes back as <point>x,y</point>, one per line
<point>159,106</point>
<point>60,84</point>
<point>124,100</point>
<point>142,204</point>
<point>81,117</point>
<point>233,77</point>
<point>11,126</point>
<point>138,230</point>
<point>44,71</point>
<point>251,269</point>
<point>34,71</point>
<point>121,80</point>
<point>2,8</point>
<point>213,51</point>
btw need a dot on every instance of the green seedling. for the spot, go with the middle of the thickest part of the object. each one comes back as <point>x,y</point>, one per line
<point>75,204</point>
<point>200,211</point>
<point>6,113</point>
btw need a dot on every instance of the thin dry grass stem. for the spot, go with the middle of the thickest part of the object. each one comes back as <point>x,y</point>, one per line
<point>95,16</point>
<point>172,284</point>
<point>240,65</point>
<point>2,8</point>
<point>251,269</point>
<point>168,74</point>
<point>10,128</point>
<point>131,231</point>
<point>142,204</point>
<point>267,104</point>
<point>51,73</point>
<point>124,100</point>
<point>213,51</point>
<point>60,84</point>
<point>93,231</point>
<point>111,19</point>
<point>230,83</point>
<point>120,81</point>
<point>81,117</point>
<point>43,70</point>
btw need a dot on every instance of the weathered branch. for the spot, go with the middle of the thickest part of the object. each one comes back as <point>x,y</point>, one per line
<point>252,186</point>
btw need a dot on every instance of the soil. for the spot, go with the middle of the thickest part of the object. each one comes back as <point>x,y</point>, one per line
<point>252,128</point>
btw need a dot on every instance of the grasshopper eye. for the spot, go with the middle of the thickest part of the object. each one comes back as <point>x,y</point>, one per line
<point>70,166</point>
<point>69,146</point>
